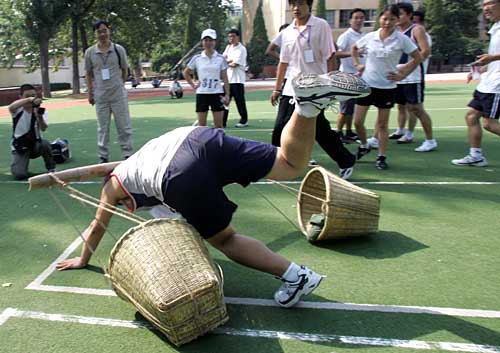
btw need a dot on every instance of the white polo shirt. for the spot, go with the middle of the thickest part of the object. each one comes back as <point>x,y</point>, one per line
<point>238,54</point>
<point>209,71</point>
<point>490,80</point>
<point>315,36</point>
<point>382,57</point>
<point>344,43</point>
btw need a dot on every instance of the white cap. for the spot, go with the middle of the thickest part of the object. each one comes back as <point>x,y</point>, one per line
<point>209,33</point>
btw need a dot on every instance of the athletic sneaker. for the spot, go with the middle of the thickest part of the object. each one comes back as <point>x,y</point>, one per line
<point>196,123</point>
<point>314,93</point>
<point>381,164</point>
<point>395,136</point>
<point>472,161</point>
<point>291,292</point>
<point>241,125</point>
<point>313,163</point>
<point>346,173</point>
<point>103,160</point>
<point>372,142</point>
<point>405,139</point>
<point>427,146</point>
<point>349,135</point>
<point>362,151</point>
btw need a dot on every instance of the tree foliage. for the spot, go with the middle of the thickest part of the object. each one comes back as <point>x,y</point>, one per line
<point>258,43</point>
<point>453,41</point>
<point>321,9</point>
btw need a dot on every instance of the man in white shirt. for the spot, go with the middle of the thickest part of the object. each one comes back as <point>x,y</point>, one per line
<point>344,44</point>
<point>308,48</point>
<point>236,56</point>
<point>486,99</point>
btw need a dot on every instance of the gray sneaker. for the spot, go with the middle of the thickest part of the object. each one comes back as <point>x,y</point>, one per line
<point>471,161</point>
<point>290,293</point>
<point>313,93</point>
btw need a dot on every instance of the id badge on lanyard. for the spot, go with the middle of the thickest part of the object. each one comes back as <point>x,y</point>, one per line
<point>308,54</point>
<point>105,73</point>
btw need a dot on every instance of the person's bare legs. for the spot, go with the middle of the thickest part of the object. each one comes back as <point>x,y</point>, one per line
<point>402,116</point>
<point>474,129</point>
<point>218,119</point>
<point>202,118</point>
<point>383,129</point>
<point>359,122</point>
<point>491,125</point>
<point>249,252</point>
<point>418,111</point>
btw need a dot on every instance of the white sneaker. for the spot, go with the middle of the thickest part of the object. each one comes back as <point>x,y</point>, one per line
<point>346,173</point>
<point>290,293</point>
<point>313,93</point>
<point>472,161</point>
<point>241,125</point>
<point>405,139</point>
<point>427,146</point>
<point>313,163</point>
<point>372,142</point>
<point>196,123</point>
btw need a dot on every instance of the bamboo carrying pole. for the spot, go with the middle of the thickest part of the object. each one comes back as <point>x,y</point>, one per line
<point>74,174</point>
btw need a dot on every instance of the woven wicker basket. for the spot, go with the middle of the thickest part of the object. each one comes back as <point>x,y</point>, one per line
<point>163,268</point>
<point>349,210</point>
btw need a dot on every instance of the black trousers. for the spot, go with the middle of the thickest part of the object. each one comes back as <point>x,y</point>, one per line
<point>328,139</point>
<point>237,91</point>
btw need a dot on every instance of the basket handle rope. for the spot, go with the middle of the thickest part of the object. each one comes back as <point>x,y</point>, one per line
<point>296,192</point>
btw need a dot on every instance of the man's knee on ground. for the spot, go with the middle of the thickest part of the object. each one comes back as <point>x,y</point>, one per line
<point>19,174</point>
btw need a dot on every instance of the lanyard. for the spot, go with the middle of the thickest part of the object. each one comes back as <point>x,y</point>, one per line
<point>105,58</point>
<point>302,34</point>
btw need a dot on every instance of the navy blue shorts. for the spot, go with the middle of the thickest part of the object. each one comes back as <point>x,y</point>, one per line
<point>206,101</point>
<point>486,103</point>
<point>205,162</point>
<point>411,93</point>
<point>347,107</point>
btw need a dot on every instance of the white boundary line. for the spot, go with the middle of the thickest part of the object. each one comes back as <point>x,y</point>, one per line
<point>280,335</point>
<point>490,314</point>
<point>298,182</point>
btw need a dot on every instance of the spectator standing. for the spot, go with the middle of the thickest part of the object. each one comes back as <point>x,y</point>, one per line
<point>106,69</point>
<point>384,48</point>
<point>236,56</point>
<point>308,48</point>
<point>486,99</point>
<point>28,120</point>
<point>212,87</point>
<point>344,43</point>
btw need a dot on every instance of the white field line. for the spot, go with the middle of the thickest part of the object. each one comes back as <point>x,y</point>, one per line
<point>299,182</point>
<point>37,284</point>
<point>280,335</point>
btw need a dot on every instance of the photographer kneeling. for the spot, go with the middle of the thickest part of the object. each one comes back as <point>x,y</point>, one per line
<point>27,143</point>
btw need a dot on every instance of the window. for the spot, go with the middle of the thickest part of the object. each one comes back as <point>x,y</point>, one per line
<point>345,16</point>
<point>371,17</point>
<point>330,17</point>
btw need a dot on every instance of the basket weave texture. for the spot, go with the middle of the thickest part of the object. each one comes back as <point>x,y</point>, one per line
<point>349,210</point>
<point>163,268</point>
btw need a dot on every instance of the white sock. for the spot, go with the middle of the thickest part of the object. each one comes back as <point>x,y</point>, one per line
<point>307,110</point>
<point>476,152</point>
<point>431,140</point>
<point>400,131</point>
<point>290,274</point>
<point>409,134</point>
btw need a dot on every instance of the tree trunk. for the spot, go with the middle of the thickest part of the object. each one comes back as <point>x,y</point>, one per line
<point>44,65</point>
<point>74,50</point>
<point>83,35</point>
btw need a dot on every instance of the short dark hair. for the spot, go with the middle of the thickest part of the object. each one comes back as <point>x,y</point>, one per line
<point>98,23</point>
<point>309,2</point>
<point>234,31</point>
<point>357,9</point>
<point>393,9</point>
<point>26,87</point>
<point>283,26</point>
<point>406,7</point>
<point>420,13</point>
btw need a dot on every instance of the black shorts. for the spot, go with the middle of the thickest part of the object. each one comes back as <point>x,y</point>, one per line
<point>486,103</point>
<point>204,163</point>
<point>347,107</point>
<point>381,98</point>
<point>206,101</point>
<point>411,93</point>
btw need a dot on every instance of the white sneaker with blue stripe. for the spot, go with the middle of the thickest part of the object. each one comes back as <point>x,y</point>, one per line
<point>290,293</point>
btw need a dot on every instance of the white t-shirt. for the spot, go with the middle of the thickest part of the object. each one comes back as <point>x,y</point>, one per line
<point>382,57</point>
<point>490,80</point>
<point>344,43</point>
<point>238,55</point>
<point>209,71</point>
<point>306,50</point>
<point>142,173</point>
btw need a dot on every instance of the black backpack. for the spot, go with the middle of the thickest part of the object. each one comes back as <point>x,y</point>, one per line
<point>24,142</point>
